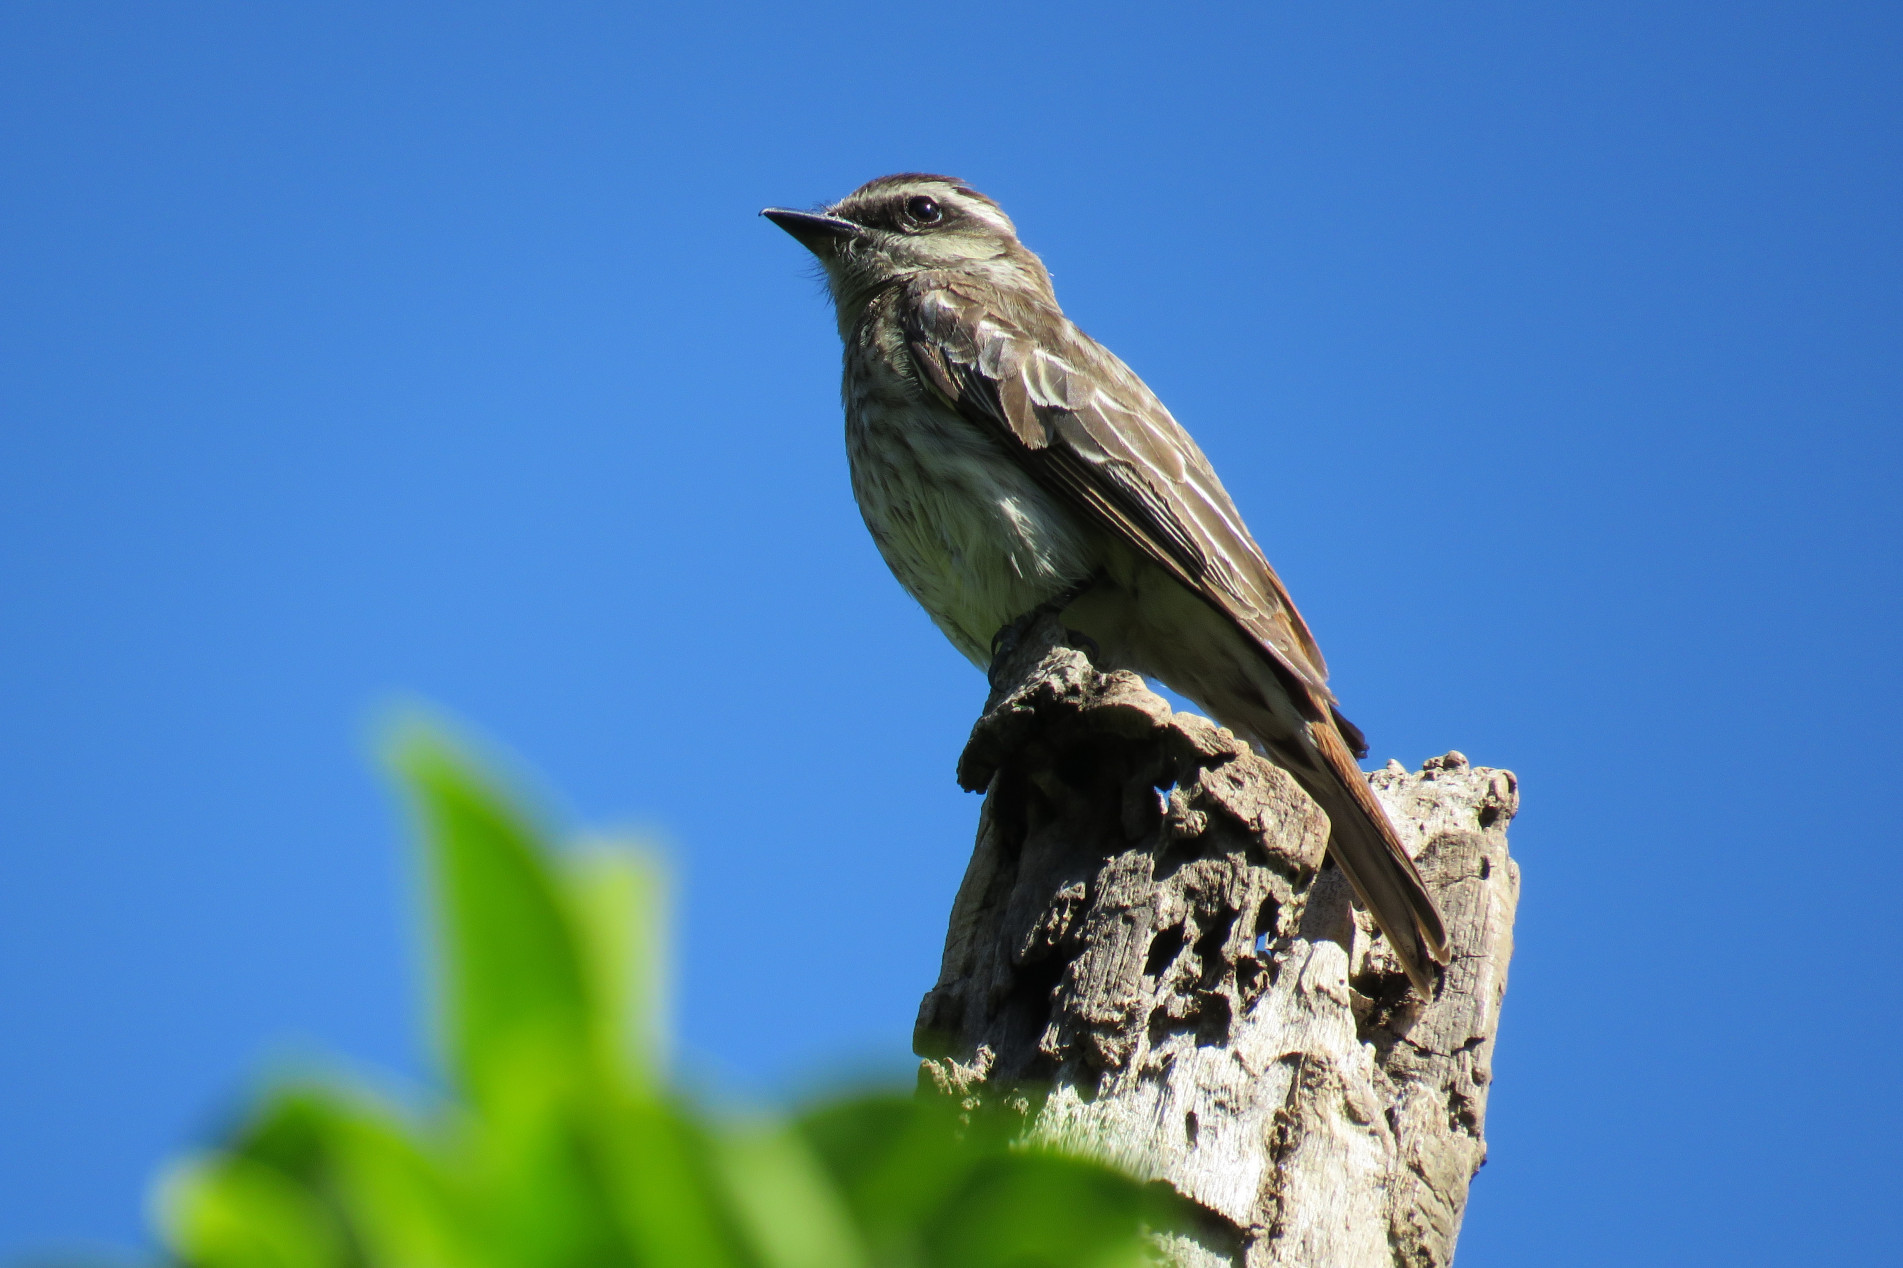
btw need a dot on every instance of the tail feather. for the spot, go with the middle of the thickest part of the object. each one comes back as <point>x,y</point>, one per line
<point>1365,846</point>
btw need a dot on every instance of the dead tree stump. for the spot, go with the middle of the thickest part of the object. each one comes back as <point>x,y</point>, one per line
<point>1148,954</point>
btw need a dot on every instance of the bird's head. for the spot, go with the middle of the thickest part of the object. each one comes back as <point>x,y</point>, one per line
<point>911,223</point>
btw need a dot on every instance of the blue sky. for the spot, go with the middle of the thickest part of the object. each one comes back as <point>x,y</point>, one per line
<point>354,353</point>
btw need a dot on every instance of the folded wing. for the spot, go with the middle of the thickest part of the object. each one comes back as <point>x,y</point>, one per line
<point>1088,428</point>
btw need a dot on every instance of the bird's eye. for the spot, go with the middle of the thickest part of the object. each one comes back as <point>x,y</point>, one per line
<point>924,210</point>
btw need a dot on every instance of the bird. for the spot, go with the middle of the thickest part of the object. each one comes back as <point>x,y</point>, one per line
<point>1007,464</point>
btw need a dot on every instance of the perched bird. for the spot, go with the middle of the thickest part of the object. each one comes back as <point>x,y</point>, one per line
<point>1007,464</point>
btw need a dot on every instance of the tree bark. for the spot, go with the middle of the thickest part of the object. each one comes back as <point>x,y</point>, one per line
<point>1147,936</point>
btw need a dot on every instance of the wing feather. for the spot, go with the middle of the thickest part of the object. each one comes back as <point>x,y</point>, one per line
<point>1087,428</point>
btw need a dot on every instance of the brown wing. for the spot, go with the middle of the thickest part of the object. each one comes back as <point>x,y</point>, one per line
<point>1088,428</point>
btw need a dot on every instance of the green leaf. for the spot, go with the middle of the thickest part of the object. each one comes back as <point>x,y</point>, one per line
<point>897,1159</point>
<point>380,1178</point>
<point>792,1213</point>
<point>660,1171</point>
<point>1033,1209</point>
<point>933,1182</point>
<point>403,1206</point>
<point>570,1154</point>
<point>519,1008</point>
<point>615,894</point>
<point>236,1213</point>
<point>543,1195</point>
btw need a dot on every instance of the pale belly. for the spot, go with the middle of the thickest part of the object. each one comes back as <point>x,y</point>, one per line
<point>979,544</point>
<point>963,528</point>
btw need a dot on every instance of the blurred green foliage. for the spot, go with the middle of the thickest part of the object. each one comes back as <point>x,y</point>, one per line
<point>560,1144</point>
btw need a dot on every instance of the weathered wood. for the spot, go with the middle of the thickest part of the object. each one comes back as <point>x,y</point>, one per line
<point>1149,955</point>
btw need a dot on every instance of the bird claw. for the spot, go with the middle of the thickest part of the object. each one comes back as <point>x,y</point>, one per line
<point>1085,644</point>
<point>1005,643</point>
<point>1009,635</point>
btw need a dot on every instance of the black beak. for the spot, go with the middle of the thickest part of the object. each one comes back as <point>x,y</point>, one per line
<point>814,231</point>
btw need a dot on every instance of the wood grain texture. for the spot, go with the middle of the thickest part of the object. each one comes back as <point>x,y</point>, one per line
<point>1149,957</point>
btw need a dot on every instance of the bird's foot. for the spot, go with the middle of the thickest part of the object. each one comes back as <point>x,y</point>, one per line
<point>1005,644</point>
